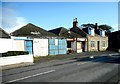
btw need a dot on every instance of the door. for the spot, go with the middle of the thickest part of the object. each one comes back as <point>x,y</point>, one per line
<point>83,46</point>
<point>29,46</point>
<point>98,45</point>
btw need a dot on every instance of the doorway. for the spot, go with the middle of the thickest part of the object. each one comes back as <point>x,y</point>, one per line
<point>98,45</point>
<point>29,46</point>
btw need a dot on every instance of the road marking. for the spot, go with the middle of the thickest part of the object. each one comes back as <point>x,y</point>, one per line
<point>31,76</point>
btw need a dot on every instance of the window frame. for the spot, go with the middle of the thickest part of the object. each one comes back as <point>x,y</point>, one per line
<point>92,44</point>
<point>103,44</point>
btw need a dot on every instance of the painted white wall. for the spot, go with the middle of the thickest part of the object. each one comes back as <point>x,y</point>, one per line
<point>92,32</point>
<point>15,59</point>
<point>14,37</point>
<point>103,33</point>
<point>11,45</point>
<point>79,46</point>
<point>18,45</point>
<point>73,45</point>
<point>79,51</point>
<point>40,47</point>
<point>5,45</point>
<point>81,39</point>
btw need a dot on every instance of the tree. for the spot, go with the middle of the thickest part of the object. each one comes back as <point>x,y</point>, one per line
<point>88,25</point>
<point>107,28</point>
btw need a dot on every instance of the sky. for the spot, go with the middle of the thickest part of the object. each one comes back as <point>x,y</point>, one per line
<point>50,15</point>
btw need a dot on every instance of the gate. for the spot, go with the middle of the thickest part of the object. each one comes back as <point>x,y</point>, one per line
<point>29,46</point>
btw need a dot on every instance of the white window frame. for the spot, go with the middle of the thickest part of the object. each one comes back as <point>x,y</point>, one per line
<point>92,44</point>
<point>103,44</point>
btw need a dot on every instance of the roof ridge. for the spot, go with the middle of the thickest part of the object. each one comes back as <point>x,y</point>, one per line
<point>28,28</point>
<point>62,29</point>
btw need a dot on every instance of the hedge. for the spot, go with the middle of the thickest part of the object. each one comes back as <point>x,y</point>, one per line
<point>14,53</point>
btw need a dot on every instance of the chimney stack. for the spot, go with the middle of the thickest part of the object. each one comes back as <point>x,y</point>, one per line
<point>96,26</point>
<point>75,22</point>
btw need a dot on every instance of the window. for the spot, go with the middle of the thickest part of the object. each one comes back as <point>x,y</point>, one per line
<point>92,43</point>
<point>103,43</point>
<point>56,42</point>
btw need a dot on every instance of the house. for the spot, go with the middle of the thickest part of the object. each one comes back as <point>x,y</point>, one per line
<point>5,41</point>
<point>4,34</point>
<point>114,40</point>
<point>71,39</point>
<point>79,31</point>
<point>38,41</point>
<point>96,40</point>
<point>8,44</point>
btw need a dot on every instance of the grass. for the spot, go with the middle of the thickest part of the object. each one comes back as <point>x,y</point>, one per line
<point>39,59</point>
<point>50,57</point>
<point>44,58</point>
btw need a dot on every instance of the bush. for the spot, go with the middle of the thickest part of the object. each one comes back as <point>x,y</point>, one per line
<point>14,53</point>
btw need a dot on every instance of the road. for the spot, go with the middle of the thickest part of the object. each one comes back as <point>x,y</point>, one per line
<point>97,69</point>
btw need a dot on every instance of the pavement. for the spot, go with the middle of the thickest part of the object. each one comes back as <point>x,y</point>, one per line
<point>59,59</point>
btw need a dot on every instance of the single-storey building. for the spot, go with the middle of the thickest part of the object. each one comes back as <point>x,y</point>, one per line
<point>74,40</point>
<point>5,41</point>
<point>38,41</point>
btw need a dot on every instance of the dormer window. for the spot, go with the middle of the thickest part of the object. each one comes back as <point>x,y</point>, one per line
<point>103,33</point>
<point>91,31</point>
<point>100,32</point>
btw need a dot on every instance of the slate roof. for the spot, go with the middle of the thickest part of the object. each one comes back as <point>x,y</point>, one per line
<point>78,31</point>
<point>4,34</point>
<point>32,30</point>
<point>63,32</point>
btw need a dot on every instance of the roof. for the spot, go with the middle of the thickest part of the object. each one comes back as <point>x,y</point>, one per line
<point>31,30</point>
<point>63,32</point>
<point>4,34</point>
<point>78,31</point>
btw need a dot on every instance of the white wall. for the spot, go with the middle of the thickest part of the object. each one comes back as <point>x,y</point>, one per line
<point>92,32</point>
<point>103,33</point>
<point>73,45</point>
<point>79,51</point>
<point>11,45</point>
<point>15,59</point>
<point>40,47</point>
<point>18,45</point>
<point>5,45</point>
<point>79,46</point>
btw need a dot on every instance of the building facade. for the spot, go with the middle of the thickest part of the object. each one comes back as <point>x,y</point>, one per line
<point>39,42</point>
<point>96,40</point>
<point>74,40</point>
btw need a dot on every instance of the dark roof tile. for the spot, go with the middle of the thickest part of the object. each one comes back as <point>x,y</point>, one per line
<point>4,34</point>
<point>32,31</point>
<point>78,31</point>
<point>63,32</point>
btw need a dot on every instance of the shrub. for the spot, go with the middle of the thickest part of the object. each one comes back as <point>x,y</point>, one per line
<point>14,53</point>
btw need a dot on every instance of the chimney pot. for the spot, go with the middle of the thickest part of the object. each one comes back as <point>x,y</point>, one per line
<point>75,22</point>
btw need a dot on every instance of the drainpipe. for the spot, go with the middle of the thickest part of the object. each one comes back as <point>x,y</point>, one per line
<point>76,44</point>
